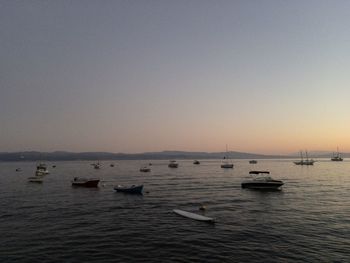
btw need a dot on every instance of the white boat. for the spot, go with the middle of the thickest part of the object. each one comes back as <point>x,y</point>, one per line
<point>261,181</point>
<point>194,216</point>
<point>226,163</point>
<point>41,170</point>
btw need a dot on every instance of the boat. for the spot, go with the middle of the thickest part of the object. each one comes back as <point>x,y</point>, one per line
<point>35,179</point>
<point>111,165</point>
<point>85,182</point>
<point>96,165</point>
<point>226,163</point>
<point>261,181</point>
<point>196,162</point>
<point>41,170</point>
<point>134,189</point>
<point>173,164</point>
<point>337,157</point>
<point>303,161</point>
<point>253,161</point>
<point>18,170</point>
<point>194,216</point>
<point>145,169</point>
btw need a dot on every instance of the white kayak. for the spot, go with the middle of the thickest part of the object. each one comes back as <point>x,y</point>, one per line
<point>194,216</point>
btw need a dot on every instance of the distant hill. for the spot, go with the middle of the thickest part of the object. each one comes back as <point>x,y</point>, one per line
<point>165,155</point>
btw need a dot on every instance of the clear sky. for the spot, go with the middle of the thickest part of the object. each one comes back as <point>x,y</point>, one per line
<point>135,76</point>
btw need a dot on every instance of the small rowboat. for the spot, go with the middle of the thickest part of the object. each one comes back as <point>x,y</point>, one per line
<point>85,182</point>
<point>134,189</point>
<point>194,216</point>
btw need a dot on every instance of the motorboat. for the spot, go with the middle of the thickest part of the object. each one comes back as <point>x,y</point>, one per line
<point>253,161</point>
<point>85,182</point>
<point>196,162</point>
<point>134,189</point>
<point>262,181</point>
<point>173,164</point>
<point>41,170</point>
<point>145,169</point>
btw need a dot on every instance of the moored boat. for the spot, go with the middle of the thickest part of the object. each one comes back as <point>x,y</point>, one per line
<point>145,169</point>
<point>253,161</point>
<point>196,162</point>
<point>134,189</point>
<point>226,163</point>
<point>194,216</point>
<point>41,170</point>
<point>97,165</point>
<point>337,157</point>
<point>85,182</point>
<point>261,181</point>
<point>173,164</point>
<point>303,161</point>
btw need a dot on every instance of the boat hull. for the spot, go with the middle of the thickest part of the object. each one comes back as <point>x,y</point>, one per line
<point>226,166</point>
<point>304,163</point>
<point>88,183</point>
<point>337,159</point>
<point>262,185</point>
<point>194,216</point>
<point>129,190</point>
<point>35,179</point>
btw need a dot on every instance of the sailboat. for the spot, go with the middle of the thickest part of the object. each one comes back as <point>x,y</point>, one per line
<point>227,163</point>
<point>303,161</point>
<point>337,157</point>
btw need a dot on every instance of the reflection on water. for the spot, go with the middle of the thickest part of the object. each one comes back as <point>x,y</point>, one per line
<point>308,221</point>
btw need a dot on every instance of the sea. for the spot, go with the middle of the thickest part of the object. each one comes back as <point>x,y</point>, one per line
<point>307,221</point>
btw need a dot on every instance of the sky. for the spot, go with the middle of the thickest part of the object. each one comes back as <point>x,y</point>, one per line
<point>195,75</point>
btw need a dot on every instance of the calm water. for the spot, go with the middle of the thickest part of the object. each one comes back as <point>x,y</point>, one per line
<point>308,221</point>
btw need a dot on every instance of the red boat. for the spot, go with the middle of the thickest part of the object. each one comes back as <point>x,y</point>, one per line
<point>85,182</point>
